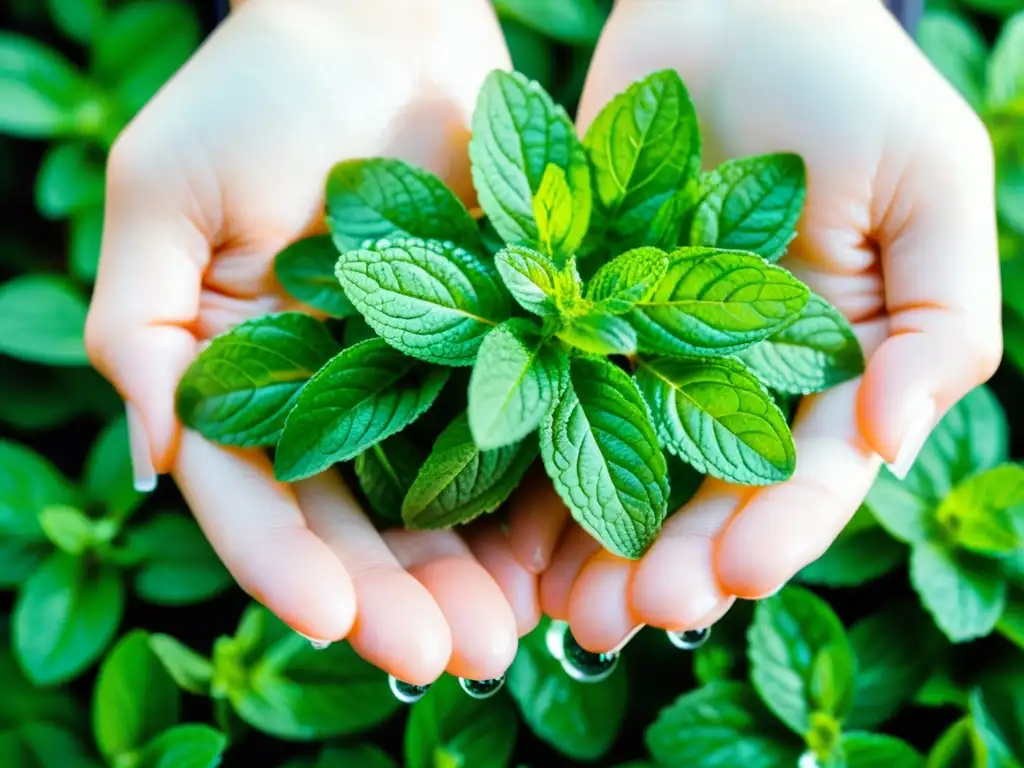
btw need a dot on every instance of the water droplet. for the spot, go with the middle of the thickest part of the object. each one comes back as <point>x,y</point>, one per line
<point>407,693</point>
<point>482,689</point>
<point>320,645</point>
<point>583,665</point>
<point>553,639</point>
<point>691,639</point>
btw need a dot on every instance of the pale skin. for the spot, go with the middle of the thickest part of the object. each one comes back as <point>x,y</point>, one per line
<point>226,166</point>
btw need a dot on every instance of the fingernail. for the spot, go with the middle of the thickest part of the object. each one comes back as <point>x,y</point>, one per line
<point>625,641</point>
<point>921,425</point>
<point>318,645</point>
<point>143,472</point>
<point>690,639</point>
<point>407,693</point>
<point>482,689</point>
<point>585,666</point>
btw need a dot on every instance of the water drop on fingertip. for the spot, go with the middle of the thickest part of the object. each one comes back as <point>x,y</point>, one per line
<point>689,640</point>
<point>407,693</point>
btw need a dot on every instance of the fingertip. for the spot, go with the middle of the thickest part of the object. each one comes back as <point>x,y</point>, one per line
<point>520,587</point>
<point>537,517</point>
<point>574,549</point>
<point>674,586</point>
<point>599,613</point>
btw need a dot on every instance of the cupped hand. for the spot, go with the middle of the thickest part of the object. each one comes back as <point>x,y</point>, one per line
<point>898,232</point>
<point>220,171</point>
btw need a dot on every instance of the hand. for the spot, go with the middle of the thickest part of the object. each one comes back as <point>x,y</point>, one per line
<point>224,168</point>
<point>898,231</point>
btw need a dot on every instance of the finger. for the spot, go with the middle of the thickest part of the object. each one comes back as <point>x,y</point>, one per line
<point>483,627</point>
<point>941,265</point>
<point>398,626</point>
<point>537,517</point>
<point>256,528</point>
<point>574,548</point>
<point>490,546</point>
<point>599,612</point>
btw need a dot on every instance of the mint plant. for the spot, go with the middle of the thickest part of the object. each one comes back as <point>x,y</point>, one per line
<point>631,305</point>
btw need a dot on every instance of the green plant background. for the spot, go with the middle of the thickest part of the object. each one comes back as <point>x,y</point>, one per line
<point>123,642</point>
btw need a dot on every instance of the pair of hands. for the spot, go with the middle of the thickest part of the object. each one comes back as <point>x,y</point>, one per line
<point>226,166</point>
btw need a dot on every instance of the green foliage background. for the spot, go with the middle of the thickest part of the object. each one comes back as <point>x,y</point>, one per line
<point>123,642</point>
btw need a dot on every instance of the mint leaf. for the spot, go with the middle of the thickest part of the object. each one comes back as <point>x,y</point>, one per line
<point>562,219</point>
<point>384,197</point>
<point>985,513</point>
<point>751,204</point>
<point>448,728</point>
<point>535,282</point>
<point>600,334</point>
<point>70,178</point>
<point>85,237</point>
<point>673,217</point>
<point>64,617</point>
<point>386,471</point>
<point>801,661</point>
<point>871,750</point>
<point>184,746</point>
<point>818,351</point>
<point>1011,623</point>
<point>68,529</point>
<point>364,394</point>
<point>108,479</point>
<point>957,50</point>
<point>626,279</point>
<point>459,482</point>
<point>42,317</point>
<point>134,700</point>
<point>719,418</point>
<point>999,718</point>
<point>306,270</point>
<point>176,565</point>
<point>358,756</point>
<point>187,668</point>
<point>644,146</point>
<point>240,388</point>
<point>580,720</point>
<point>713,302</point>
<point>862,552</point>
<point>516,378</point>
<point>577,22</point>
<point>77,19</point>
<point>964,593</point>
<point>1006,67</point>
<point>41,745</point>
<point>430,300</point>
<point>29,483</point>
<point>602,453</point>
<point>518,131</point>
<point>721,724</point>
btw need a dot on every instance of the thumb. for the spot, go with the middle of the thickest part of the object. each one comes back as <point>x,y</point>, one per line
<point>145,299</point>
<point>941,266</point>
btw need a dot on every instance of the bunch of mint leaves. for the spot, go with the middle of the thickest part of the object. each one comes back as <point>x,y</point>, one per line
<point>615,302</point>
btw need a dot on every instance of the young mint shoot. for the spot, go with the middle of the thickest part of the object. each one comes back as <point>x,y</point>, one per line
<point>632,306</point>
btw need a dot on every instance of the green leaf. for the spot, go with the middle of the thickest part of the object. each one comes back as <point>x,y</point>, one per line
<point>644,146</point>
<point>64,617</point>
<point>576,22</point>
<point>891,665</point>
<point>42,745</point>
<point>358,756</point>
<point>68,528</point>
<point>985,513</point>
<point>1011,623</point>
<point>386,471</point>
<point>297,693</point>
<point>518,131</point>
<point>134,700</point>
<point>467,732</point>
<point>602,453</point>
<point>85,238</point>
<point>719,418</point>
<point>958,51</point>
<point>184,746</point>
<point>515,381</point>
<point>628,278</point>
<point>140,46</point>
<point>964,594</point>
<point>108,479</point>
<point>24,703</point>
<point>459,482</point>
<point>998,711</point>
<point>971,437</point>
<point>580,720</point>
<point>801,661</point>
<point>18,559</point>
<point>42,320</point>
<point>862,552</point>
<point>721,724</point>
<point>70,178</point>
<point>751,204</point>
<point>1006,66</point>
<point>363,395</point>
<point>306,270</point>
<point>240,388</point>
<point>36,397</point>
<point>28,485</point>
<point>177,566</point>
<point>42,95</point>
<point>871,750</point>
<point>532,53</point>
<point>713,302</point>
<point>430,300</point>
<point>600,334</point>
<point>956,747</point>
<point>384,197</point>
<point>535,282</point>
<point>187,668</point>
<point>818,351</point>
<point>561,218</point>
<point>78,19</point>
